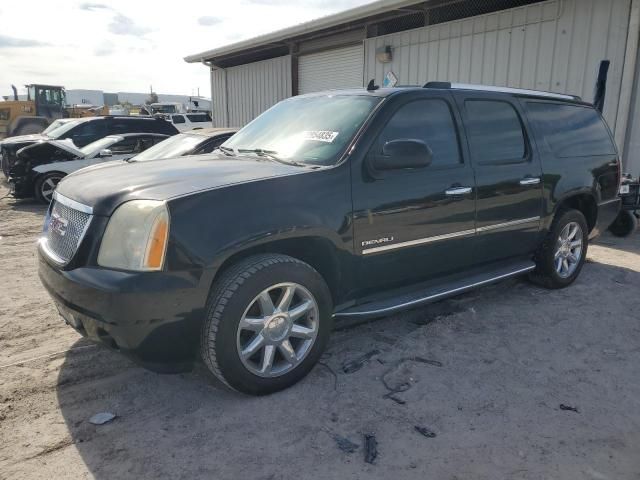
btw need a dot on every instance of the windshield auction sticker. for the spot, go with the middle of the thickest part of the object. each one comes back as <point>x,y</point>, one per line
<point>320,135</point>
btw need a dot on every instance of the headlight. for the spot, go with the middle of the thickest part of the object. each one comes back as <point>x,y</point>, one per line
<point>136,236</point>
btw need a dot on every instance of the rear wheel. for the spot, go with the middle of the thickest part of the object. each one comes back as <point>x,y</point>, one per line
<point>267,323</point>
<point>561,257</point>
<point>46,185</point>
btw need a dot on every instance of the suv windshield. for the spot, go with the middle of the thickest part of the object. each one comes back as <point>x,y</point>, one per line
<point>313,130</point>
<point>60,127</point>
<point>94,148</point>
<point>172,147</point>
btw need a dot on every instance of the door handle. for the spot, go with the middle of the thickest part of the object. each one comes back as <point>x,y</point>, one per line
<point>458,191</point>
<point>530,181</point>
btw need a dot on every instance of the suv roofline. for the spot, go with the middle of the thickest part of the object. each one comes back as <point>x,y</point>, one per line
<point>386,91</point>
<point>493,88</point>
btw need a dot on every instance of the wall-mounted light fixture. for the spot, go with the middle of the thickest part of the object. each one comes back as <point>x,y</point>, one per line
<point>383,54</point>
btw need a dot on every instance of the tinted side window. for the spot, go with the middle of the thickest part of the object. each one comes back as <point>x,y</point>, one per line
<point>199,117</point>
<point>570,130</point>
<point>146,126</point>
<point>495,132</point>
<point>430,121</point>
<point>177,118</point>
<point>87,132</point>
<point>122,126</point>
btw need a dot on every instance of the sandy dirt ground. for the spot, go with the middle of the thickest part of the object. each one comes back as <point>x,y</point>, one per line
<point>485,373</point>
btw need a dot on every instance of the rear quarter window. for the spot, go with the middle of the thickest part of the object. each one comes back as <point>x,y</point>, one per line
<point>570,130</point>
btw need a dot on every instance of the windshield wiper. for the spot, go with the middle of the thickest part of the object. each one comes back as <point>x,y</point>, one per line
<point>261,152</point>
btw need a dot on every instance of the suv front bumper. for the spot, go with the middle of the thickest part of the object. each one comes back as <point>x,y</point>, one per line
<point>152,317</point>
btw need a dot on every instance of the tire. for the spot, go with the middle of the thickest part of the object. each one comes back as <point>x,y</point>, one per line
<point>239,317</point>
<point>625,224</point>
<point>551,270</point>
<point>43,187</point>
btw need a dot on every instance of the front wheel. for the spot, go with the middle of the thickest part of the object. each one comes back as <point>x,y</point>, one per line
<point>46,185</point>
<point>562,255</point>
<point>268,320</point>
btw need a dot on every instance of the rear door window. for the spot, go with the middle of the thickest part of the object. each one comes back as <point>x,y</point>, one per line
<point>570,130</point>
<point>495,132</point>
<point>177,118</point>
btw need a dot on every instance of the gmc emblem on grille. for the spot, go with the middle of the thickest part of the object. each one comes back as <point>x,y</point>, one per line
<point>58,224</point>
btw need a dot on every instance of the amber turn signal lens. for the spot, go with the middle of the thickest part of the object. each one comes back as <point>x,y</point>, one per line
<point>157,244</point>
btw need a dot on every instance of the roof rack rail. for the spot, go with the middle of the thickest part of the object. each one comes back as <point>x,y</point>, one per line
<point>491,88</point>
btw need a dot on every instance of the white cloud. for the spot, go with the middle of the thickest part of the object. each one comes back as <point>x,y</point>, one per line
<point>124,45</point>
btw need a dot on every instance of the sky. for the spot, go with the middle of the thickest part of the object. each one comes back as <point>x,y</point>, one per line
<point>131,45</point>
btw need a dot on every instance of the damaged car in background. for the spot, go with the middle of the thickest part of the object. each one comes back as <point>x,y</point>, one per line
<point>38,168</point>
<point>82,132</point>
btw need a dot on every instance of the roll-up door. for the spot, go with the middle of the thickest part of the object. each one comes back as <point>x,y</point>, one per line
<point>331,69</point>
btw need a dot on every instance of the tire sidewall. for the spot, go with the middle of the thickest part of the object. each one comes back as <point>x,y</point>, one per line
<point>548,263</point>
<point>229,363</point>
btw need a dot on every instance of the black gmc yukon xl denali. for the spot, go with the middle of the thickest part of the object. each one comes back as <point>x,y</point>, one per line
<point>327,206</point>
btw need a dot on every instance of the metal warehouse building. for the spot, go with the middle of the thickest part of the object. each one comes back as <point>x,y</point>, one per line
<point>554,45</point>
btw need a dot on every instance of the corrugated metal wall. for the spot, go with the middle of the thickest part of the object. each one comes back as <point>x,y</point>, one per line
<point>331,69</point>
<point>242,93</point>
<point>555,45</point>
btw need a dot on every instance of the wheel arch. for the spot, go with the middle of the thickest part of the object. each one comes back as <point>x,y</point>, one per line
<point>584,202</point>
<point>318,252</point>
<point>39,176</point>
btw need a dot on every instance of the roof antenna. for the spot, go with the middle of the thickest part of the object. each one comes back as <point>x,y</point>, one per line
<point>372,86</point>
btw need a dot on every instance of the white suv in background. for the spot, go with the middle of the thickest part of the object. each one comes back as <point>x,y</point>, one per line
<point>189,121</point>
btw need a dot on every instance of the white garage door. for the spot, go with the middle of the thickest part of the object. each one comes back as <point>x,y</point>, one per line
<point>338,68</point>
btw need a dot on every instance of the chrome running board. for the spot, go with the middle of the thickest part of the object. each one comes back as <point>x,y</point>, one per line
<point>432,292</point>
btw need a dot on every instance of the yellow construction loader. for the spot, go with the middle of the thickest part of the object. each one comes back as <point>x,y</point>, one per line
<point>44,104</point>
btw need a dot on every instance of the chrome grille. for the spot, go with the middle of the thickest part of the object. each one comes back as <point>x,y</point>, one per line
<point>65,226</point>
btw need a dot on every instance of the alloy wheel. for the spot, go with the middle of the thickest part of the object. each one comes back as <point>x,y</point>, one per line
<point>568,250</point>
<point>278,329</point>
<point>48,187</point>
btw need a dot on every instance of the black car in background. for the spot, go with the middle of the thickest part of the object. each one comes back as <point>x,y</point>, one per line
<point>39,167</point>
<point>83,131</point>
<point>338,205</point>
<point>193,142</point>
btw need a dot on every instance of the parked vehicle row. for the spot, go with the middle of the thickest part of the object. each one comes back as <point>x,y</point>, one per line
<point>348,204</point>
<point>37,164</point>
<point>81,132</point>
<point>38,168</point>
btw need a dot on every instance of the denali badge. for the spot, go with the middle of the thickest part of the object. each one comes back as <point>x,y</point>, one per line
<point>377,241</point>
<point>58,224</point>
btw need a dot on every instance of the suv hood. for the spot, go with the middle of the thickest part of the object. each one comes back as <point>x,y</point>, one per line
<point>106,186</point>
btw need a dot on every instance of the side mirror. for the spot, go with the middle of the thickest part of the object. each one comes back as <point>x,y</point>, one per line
<point>106,153</point>
<point>401,154</point>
